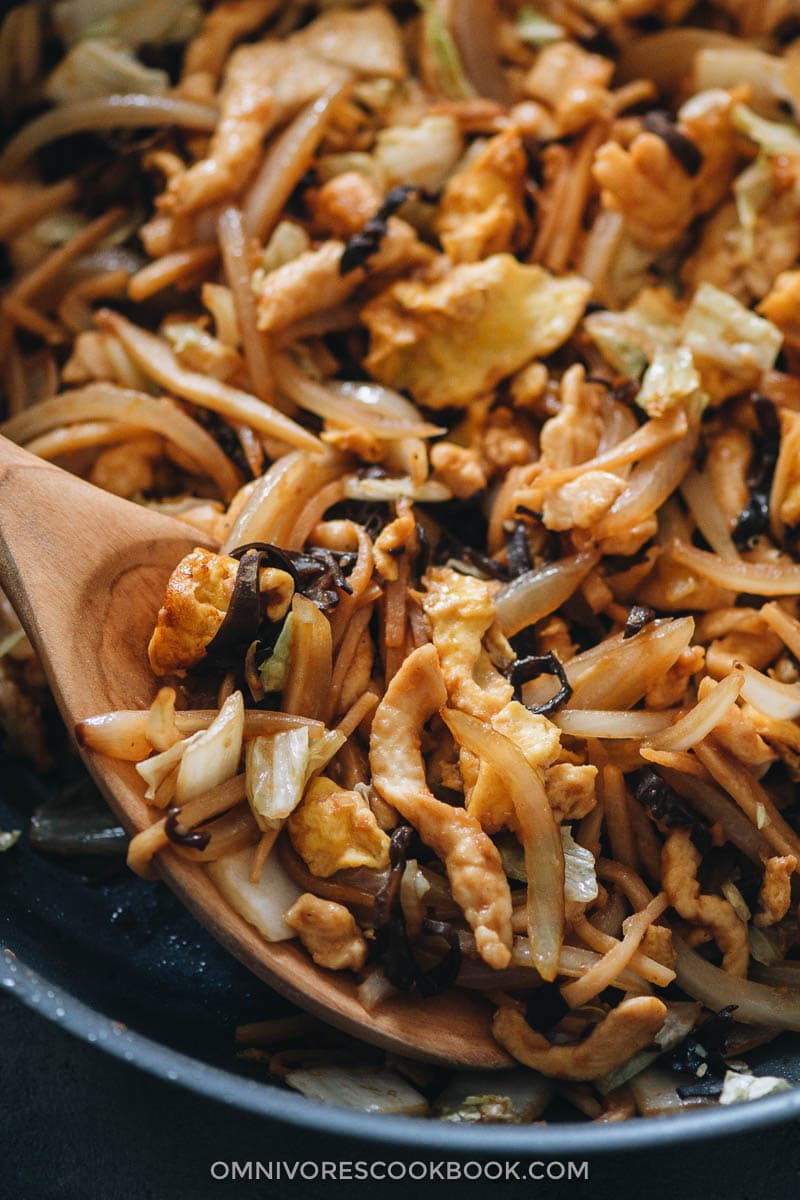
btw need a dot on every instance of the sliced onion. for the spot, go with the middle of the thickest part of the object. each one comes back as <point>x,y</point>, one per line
<point>756,1004</point>
<point>374,989</point>
<point>667,57</point>
<point>264,904</point>
<point>655,1091</point>
<point>781,975</point>
<point>701,719</point>
<point>778,700</point>
<point>786,627</point>
<point>279,496</point>
<point>235,259</point>
<point>120,734</point>
<point>212,756</point>
<point>474,24</point>
<point>652,481</point>
<point>754,800</point>
<point>156,359</point>
<point>742,64</point>
<point>107,112</point>
<point>67,439</point>
<point>354,888</point>
<point>539,592</point>
<point>363,1088</point>
<point>618,672</point>
<point>610,723</point>
<point>106,401</point>
<point>365,406</point>
<point>430,491</point>
<point>758,579</point>
<point>708,517</point>
<point>539,834</point>
<point>645,441</point>
<point>284,163</point>
<point>715,806</point>
<point>573,962</point>
<point>154,770</point>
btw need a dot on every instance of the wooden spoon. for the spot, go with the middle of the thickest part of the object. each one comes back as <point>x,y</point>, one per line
<point>86,572</point>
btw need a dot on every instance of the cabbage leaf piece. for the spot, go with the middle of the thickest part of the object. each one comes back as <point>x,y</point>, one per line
<point>453,339</point>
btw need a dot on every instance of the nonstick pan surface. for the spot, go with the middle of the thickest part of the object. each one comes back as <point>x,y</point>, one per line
<point>118,962</point>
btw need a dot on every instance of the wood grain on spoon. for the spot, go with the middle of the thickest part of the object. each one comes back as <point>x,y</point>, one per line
<point>86,572</point>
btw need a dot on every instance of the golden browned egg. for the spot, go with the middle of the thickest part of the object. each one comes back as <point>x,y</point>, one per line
<point>334,830</point>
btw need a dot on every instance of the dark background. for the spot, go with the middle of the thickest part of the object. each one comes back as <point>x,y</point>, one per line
<point>76,1124</point>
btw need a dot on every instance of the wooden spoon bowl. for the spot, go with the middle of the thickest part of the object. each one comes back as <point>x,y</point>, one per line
<point>86,572</point>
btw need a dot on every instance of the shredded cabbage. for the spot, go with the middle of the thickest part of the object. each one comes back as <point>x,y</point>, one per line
<point>580,880</point>
<point>360,1087</point>
<point>287,242</point>
<point>9,839</point>
<point>629,340</point>
<point>275,669</point>
<point>278,768</point>
<point>102,67</point>
<point>765,946</point>
<point>474,1110</point>
<point>738,1086</point>
<point>774,137</point>
<point>443,51</point>
<point>424,154</point>
<point>536,29</point>
<point>731,346</point>
<point>212,756</point>
<point>148,21</point>
<point>670,379</point>
<point>752,189</point>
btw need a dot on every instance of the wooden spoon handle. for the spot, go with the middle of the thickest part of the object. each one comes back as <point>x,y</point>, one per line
<point>85,571</point>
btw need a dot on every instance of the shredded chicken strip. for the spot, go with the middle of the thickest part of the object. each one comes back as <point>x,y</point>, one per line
<point>680,860</point>
<point>628,1028</point>
<point>398,773</point>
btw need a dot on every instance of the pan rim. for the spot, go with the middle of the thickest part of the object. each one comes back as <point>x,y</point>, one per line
<point>569,1140</point>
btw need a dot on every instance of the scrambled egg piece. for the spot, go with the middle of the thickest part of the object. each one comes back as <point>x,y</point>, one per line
<point>334,830</point>
<point>344,204</point>
<point>196,600</point>
<point>460,468</point>
<point>461,610</point>
<point>329,933</point>
<point>198,593</point>
<point>782,305</point>
<point>482,210</point>
<point>571,790</point>
<point>583,501</point>
<point>452,339</point>
<point>539,741</point>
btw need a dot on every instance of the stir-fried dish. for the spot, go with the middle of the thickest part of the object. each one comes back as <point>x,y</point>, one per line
<point>466,335</point>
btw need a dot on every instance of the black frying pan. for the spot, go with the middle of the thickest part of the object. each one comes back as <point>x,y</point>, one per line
<point>120,963</point>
